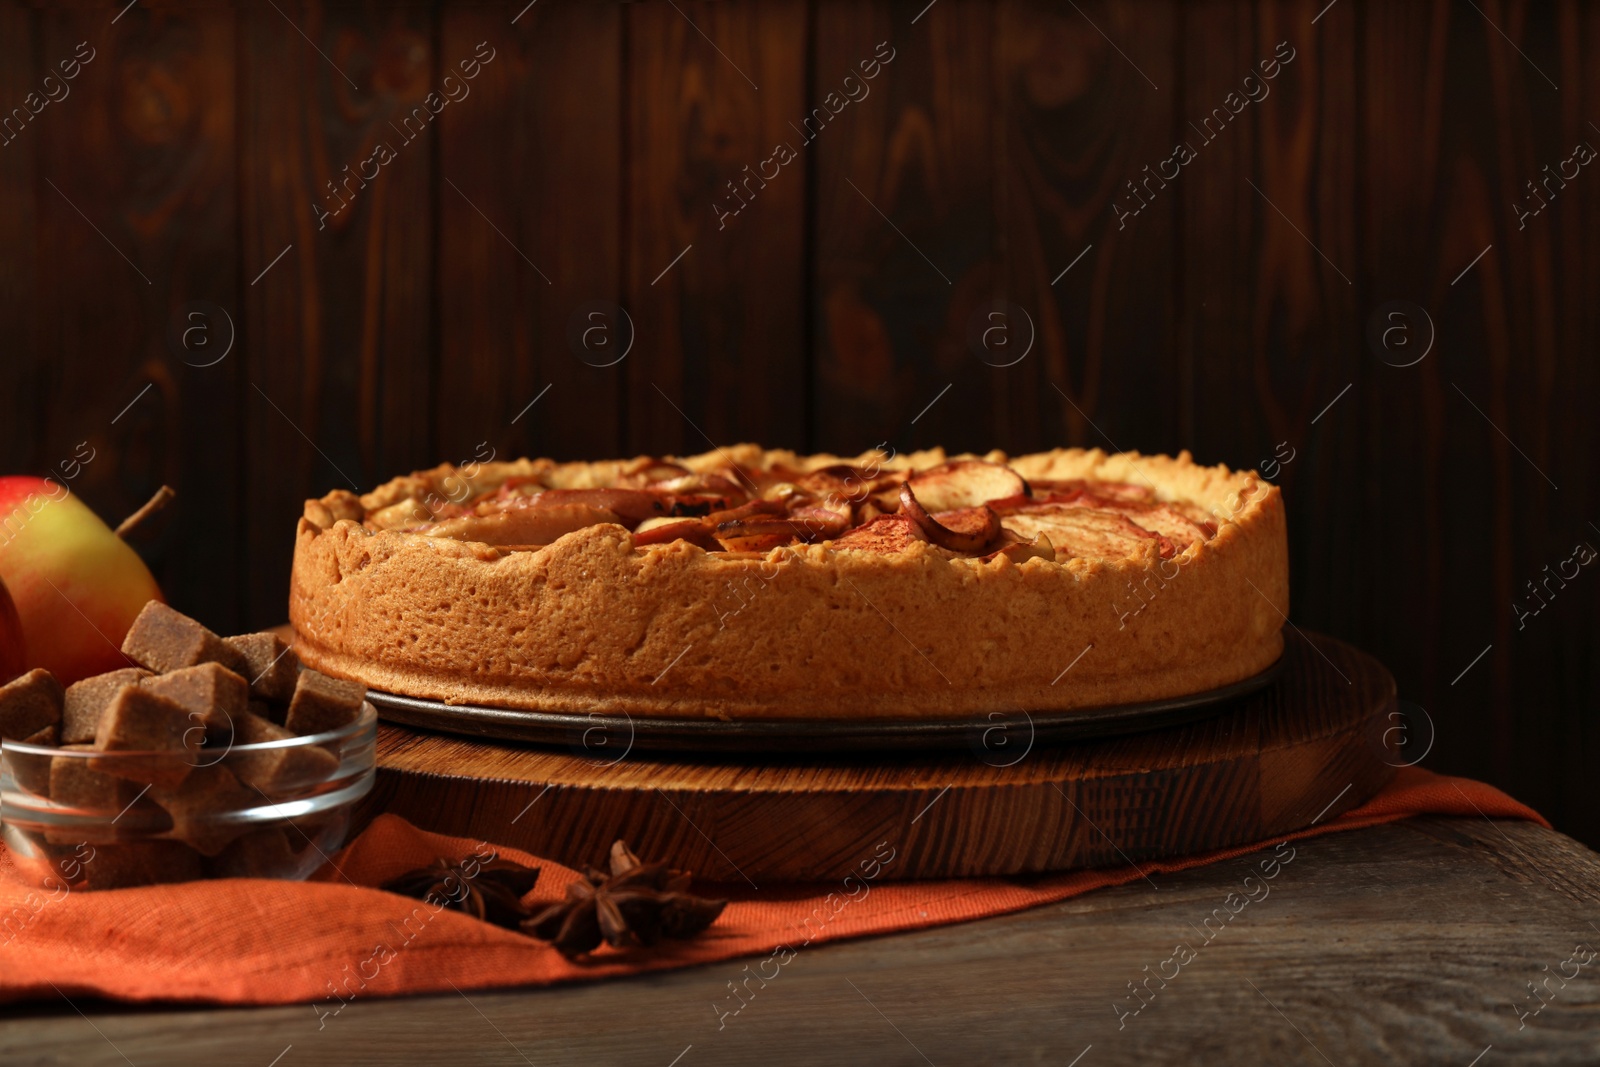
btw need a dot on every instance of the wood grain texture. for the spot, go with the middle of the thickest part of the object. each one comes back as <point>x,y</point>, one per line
<point>136,223</point>
<point>1459,122</point>
<point>339,330</point>
<point>1270,266</point>
<point>1086,117</point>
<point>22,372</point>
<point>1513,375</point>
<point>1412,405</point>
<point>1307,747</point>
<point>529,234</point>
<point>1406,943</point>
<point>1574,670</point>
<point>905,224</point>
<point>712,88</point>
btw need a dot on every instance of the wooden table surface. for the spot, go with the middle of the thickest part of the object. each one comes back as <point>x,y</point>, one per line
<point>1409,943</point>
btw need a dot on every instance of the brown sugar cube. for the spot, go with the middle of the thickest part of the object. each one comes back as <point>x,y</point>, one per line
<point>116,806</point>
<point>266,853</point>
<point>75,784</point>
<point>140,721</point>
<point>270,712</point>
<point>270,666</point>
<point>321,703</point>
<point>211,694</point>
<point>279,769</point>
<point>125,866</point>
<point>164,640</point>
<point>32,772</point>
<point>49,737</point>
<point>30,704</point>
<point>200,808</point>
<point>87,700</point>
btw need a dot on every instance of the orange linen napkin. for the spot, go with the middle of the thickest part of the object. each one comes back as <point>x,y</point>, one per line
<point>335,939</point>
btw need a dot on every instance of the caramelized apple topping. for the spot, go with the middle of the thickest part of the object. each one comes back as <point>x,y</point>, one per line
<point>966,483</point>
<point>965,529</point>
<point>963,508</point>
<point>1090,532</point>
<point>886,533</point>
<point>1017,549</point>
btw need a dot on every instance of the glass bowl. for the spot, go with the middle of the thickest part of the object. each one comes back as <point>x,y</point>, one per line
<point>83,819</point>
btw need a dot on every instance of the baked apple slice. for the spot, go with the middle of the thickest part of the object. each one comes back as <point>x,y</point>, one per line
<point>648,470</point>
<point>1181,524</point>
<point>965,483</point>
<point>1017,549</point>
<point>1163,519</point>
<point>1066,488</point>
<point>848,483</point>
<point>699,494</point>
<point>661,531</point>
<point>819,522</point>
<point>886,534</point>
<point>521,526</point>
<point>757,534</point>
<point>752,509</point>
<point>632,506</point>
<point>1079,531</point>
<point>966,529</point>
<point>407,512</point>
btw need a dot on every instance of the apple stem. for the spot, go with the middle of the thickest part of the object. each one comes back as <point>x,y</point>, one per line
<point>157,503</point>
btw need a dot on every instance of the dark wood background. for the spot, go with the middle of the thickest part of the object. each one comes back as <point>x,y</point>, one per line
<point>195,148</point>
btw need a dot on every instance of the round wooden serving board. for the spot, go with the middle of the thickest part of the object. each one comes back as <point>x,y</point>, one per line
<point>1306,748</point>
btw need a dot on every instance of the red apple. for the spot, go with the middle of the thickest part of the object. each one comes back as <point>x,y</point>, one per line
<point>76,585</point>
<point>13,653</point>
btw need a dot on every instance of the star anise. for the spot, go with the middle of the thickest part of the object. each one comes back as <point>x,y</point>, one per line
<point>488,890</point>
<point>635,904</point>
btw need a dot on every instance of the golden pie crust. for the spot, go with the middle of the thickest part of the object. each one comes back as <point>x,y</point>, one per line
<point>392,589</point>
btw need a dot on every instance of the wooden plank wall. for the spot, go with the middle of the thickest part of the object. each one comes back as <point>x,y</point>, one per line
<point>803,255</point>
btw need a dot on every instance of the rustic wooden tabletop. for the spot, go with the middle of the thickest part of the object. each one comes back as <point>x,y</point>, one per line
<point>1440,941</point>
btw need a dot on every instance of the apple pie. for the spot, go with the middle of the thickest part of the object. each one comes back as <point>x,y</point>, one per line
<point>754,584</point>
